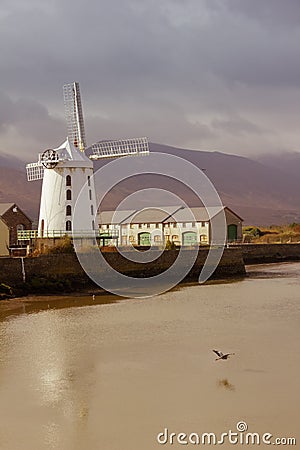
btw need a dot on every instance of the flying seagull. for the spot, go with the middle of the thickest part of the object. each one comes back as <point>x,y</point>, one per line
<point>222,355</point>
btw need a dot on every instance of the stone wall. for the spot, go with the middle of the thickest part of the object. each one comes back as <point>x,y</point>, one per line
<point>67,267</point>
<point>270,253</point>
<point>11,271</point>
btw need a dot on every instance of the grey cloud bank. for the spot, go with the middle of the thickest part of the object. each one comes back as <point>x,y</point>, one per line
<point>202,74</point>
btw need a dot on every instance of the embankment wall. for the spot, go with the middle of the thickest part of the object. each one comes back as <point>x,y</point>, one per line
<point>67,267</point>
<point>270,253</point>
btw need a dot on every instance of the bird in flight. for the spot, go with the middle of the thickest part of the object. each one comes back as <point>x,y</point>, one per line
<point>222,355</point>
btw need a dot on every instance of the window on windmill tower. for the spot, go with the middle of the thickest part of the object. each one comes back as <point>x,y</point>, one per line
<point>68,225</point>
<point>68,210</point>
<point>68,180</point>
<point>69,194</point>
<point>89,180</point>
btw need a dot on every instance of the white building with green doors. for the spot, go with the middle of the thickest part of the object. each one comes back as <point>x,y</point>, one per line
<point>158,225</point>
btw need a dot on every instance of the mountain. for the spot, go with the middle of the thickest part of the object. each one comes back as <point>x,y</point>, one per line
<point>14,186</point>
<point>244,182</point>
<point>262,191</point>
<point>289,162</point>
<point>9,161</point>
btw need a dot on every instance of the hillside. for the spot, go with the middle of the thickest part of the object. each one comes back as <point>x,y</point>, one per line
<point>14,186</point>
<point>288,163</point>
<point>262,192</point>
<point>245,183</point>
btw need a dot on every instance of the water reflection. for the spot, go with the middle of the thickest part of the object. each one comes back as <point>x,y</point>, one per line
<point>224,383</point>
<point>52,379</point>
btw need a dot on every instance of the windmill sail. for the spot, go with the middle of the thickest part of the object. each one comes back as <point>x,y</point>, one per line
<point>122,147</point>
<point>48,159</point>
<point>74,115</point>
<point>76,136</point>
<point>35,171</point>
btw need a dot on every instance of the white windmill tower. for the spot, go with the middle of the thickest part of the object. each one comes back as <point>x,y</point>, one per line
<point>66,170</point>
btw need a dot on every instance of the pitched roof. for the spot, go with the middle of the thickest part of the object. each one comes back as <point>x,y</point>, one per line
<point>69,152</point>
<point>147,215</point>
<point>161,214</point>
<point>5,207</point>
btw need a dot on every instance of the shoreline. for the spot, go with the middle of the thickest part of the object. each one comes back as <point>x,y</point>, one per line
<point>32,303</point>
<point>63,273</point>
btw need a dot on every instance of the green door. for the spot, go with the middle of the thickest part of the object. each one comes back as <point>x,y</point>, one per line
<point>104,241</point>
<point>232,233</point>
<point>144,239</point>
<point>189,238</point>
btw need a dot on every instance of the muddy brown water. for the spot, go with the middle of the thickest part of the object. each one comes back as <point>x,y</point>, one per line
<point>114,374</point>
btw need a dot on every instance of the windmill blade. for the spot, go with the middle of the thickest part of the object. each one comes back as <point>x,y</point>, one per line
<point>122,147</point>
<point>74,115</point>
<point>35,171</point>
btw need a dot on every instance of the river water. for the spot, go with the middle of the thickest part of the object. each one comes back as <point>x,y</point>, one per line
<point>115,374</point>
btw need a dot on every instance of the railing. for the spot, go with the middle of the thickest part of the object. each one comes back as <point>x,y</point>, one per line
<point>27,235</point>
<point>110,234</point>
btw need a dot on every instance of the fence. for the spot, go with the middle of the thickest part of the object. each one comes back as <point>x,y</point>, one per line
<point>28,235</point>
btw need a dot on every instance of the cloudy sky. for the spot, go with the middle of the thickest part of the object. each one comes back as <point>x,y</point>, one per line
<point>202,74</point>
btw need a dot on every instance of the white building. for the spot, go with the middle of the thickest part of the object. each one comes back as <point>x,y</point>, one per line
<point>68,199</point>
<point>157,226</point>
<point>62,185</point>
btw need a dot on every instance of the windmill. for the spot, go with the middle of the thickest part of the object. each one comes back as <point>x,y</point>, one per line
<point>66,170</point>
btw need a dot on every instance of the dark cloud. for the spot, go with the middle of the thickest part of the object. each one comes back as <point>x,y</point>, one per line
<point>237,126</point>
<point>27,121</point>
<point>200,73</point>
<point>269,12</point>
